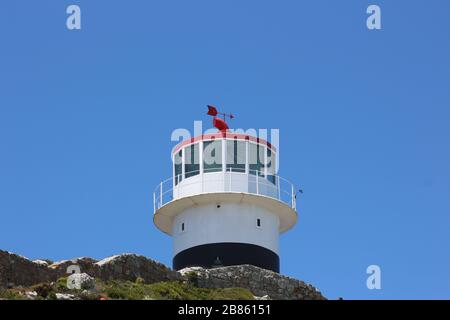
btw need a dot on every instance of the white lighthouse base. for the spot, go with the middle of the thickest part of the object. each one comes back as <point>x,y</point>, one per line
<point>226,233</point>
<point>225,228</point>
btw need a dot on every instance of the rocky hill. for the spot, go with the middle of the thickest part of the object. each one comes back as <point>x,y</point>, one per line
<point>130,276</point>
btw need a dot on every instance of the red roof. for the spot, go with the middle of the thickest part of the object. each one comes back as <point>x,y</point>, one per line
<point>222,135</point>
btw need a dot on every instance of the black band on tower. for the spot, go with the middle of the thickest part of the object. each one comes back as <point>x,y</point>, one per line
<point>227,254</point>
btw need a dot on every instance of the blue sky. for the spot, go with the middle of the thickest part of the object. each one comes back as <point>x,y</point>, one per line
<point>86,118</point>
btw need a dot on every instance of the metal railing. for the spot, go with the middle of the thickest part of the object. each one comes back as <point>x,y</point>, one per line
<point>231,180</point>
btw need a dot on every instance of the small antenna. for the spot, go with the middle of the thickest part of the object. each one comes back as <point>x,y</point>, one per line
<point>212,111</point>
<point>217,122</point>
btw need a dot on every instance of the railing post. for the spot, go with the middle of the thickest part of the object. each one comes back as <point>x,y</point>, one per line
<point>160,194</point>
<point>224,180</point>
<point>279,188</point>
<point>293,196</point>
<point>257,182</point>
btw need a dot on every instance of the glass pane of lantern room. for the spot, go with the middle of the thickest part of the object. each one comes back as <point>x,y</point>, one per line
<point>271,167</point>
<point>236,156</point>
<point>191,161</point>
<point>212,156</point>
<point>178,166</point>
<point>256,159</point>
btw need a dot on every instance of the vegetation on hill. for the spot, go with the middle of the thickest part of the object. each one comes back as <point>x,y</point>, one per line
<point>127,290</point>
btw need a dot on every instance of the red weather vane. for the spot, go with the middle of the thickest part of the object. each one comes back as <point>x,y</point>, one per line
<point>217,122</point>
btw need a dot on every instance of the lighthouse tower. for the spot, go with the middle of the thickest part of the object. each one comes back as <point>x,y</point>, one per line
<point>225,203</point>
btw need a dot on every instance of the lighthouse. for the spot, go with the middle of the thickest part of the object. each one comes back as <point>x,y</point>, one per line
<point>225,203</point>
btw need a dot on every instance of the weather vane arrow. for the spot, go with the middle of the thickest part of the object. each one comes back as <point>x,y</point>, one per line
<point>217,122</point>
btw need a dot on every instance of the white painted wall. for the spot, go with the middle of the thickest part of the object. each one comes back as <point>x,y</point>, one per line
<point>232,222</point>
<point>225,182</point>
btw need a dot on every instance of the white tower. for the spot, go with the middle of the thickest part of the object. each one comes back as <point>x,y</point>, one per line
<point>225,204</point>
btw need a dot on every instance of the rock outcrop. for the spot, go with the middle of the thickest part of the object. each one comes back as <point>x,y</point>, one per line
<point>132,266</point>
<point>18,271</point>
<point>85,265</point>
<point>81,281</point>
<point>260,282</point>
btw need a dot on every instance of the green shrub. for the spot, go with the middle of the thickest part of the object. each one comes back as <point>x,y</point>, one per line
<point>171,290</point>
<point>192,278</point>
<point>43,289</point>
<point>127,290</point>
<point>61,285</point>
<point>87,295</point>
<point>11,294</point>
<point>52,296</point>
<point>230,294</point>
